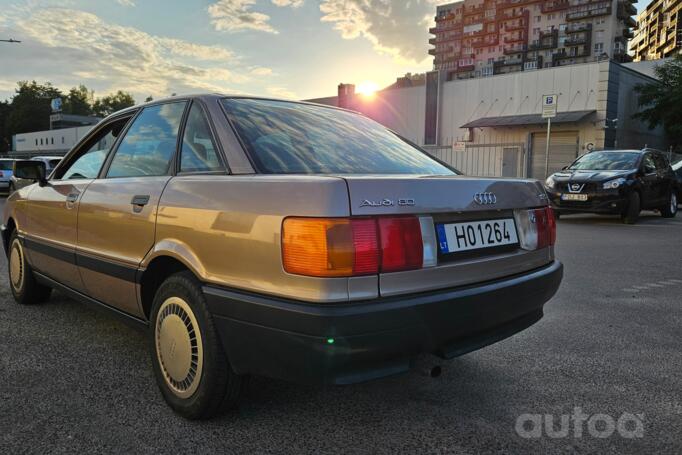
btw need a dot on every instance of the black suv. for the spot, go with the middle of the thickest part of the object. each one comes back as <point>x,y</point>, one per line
<point>615,182</point>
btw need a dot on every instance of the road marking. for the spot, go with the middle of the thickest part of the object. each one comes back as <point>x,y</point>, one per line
<point>648,286</point>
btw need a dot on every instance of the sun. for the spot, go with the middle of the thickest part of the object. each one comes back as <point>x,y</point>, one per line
<point>367,89</point>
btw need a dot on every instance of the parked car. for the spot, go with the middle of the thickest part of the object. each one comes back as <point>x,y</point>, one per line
<point>283,239</point>
<point>5,174</point>
<point>615,182</point>
<point>50,163</point>
<point>677,168</point>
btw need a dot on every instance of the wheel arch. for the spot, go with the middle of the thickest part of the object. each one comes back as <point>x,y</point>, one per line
<point>165,259</point>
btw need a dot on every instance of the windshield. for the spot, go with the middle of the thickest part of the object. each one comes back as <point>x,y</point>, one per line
<point>6,165</point>
<point>292,138</point>
<point>606,161</point>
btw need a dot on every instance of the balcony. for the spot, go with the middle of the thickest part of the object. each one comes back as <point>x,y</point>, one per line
<point>576,41</point>
<point>590,13</point>
<point>578,28</point>
<point>554,6</point>
<point>520,38</point>
<point>511,50</point>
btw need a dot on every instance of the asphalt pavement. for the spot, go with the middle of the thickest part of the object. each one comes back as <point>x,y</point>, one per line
<point>76,380</point>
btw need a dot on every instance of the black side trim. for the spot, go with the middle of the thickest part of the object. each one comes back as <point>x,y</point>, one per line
<point>113,269</point>
<point>49,250</point>
<point>125,317</point>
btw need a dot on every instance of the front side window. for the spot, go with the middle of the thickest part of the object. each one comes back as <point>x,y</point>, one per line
<point>88,163</point>
<point>149,145</point>
<point>198,150</point>
<point>648,164</point>
<point>293,138</point>
<point>606,161</point>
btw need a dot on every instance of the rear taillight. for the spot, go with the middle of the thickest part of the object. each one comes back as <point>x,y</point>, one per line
<point>343,247</point>
<point>1,174</point>
<point>537,228</point>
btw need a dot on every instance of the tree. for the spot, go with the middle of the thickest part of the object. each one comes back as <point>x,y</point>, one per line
<point>148,99</point>
<point>78,101</point>
<point>30,107</point>
<point>4,136</point>
<point>661,102</point>
<point>112,103</point>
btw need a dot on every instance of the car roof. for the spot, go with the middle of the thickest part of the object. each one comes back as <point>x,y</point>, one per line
<point>47,157</point>
<point>209,97</point>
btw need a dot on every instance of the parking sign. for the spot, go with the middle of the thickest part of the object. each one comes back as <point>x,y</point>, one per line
<point>549,106</point>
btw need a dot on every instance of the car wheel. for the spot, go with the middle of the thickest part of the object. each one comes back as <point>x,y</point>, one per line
<point>25,289</point>
<point>190,366</point>
<point>670,210</point>
<point>631,214</point>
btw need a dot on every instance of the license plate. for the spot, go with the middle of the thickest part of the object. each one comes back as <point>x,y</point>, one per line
<point>574,197</point>
<point>475,235</point>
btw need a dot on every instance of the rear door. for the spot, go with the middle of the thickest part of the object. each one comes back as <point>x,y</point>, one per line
<point>53,209</point>
<point>117,216</point>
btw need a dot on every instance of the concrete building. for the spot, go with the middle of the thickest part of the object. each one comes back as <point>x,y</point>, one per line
<point>659,31</point>
<point>478,38</point>
<point>493,126</point>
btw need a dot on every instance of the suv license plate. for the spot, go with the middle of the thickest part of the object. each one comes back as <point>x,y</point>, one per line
<point>574,197</point>
<point>475,235</point>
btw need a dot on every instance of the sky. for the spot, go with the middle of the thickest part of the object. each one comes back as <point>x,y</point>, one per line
<point>283,48</point>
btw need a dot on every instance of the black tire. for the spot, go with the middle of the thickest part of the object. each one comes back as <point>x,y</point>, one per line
<point>25,289</point>
<point>631,214</point>
<point>670,209</point>
<point>218,388</point>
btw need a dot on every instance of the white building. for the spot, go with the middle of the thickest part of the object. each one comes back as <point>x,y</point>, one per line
<point>493,126</point>
<point>50,141</point>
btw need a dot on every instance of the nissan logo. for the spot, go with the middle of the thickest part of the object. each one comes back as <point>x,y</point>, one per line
<point>575,187</point>
<point>485,198</point>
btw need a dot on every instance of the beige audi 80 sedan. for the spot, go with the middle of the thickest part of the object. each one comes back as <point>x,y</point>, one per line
<point>260,237</point>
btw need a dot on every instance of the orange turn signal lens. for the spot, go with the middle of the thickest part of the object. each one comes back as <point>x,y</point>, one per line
<point>330,247</point>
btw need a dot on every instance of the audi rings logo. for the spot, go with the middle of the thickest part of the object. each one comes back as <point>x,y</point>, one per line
<point>485,198</point>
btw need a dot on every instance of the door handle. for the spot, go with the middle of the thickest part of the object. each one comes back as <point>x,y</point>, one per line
<point>140,200</point>
<point>72,197</point>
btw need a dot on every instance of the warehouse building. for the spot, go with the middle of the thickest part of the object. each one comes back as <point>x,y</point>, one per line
<point>493,126</point>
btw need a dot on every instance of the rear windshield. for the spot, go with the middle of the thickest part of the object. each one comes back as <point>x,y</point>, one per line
<point>292,138</point>
<point>607,161</point>
<point>6,165</point>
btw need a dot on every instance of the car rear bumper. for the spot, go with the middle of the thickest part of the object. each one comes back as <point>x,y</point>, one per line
<point>350,343</point>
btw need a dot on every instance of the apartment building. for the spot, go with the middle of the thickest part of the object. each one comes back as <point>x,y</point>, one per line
<point>478,38</point>
<point>659,32</point>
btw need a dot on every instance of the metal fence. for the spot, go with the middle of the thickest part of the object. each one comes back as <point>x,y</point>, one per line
<point>485,160</point>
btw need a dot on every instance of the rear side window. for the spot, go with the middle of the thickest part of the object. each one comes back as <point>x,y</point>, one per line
<point>293,138</point>
<point>149,145</point>
<point>198,150</point>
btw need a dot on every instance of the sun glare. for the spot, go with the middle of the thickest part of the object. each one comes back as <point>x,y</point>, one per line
<point>367,89</point>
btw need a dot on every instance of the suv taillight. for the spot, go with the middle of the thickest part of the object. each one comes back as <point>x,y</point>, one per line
<point>537,228</point>
<point>344,247</point>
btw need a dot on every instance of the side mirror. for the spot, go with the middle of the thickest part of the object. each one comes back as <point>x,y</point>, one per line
<point>564,168</point>
<point>30,170</point>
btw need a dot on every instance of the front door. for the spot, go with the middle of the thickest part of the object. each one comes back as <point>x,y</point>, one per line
<point>117,215</point>
<point>53,210</point>
<point>650,187</point>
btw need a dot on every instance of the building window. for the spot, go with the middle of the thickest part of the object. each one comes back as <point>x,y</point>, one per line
<point>62,139</point>
<point>598,48</point>
<point>41,141</point>
<point>51,141</point>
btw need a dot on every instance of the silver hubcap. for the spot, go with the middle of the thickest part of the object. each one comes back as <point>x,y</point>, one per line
<point>178,347</point>
<point>16,266</point>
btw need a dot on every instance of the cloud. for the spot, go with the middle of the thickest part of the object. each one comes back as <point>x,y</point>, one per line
<point>396,28</point>
<point>237,15</point>
<point>69,47</point>
<point>129,3</point>
<point>281,92</point>
<point>261,71</point>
